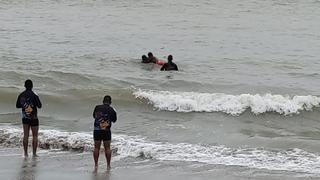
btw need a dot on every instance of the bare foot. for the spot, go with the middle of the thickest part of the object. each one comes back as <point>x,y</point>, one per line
<point>108,168</point>
<point>35,155</point>
<point>95,170</point>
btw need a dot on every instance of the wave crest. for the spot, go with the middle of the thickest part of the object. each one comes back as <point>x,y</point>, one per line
<point>49,139</point>
<point>230,104</point>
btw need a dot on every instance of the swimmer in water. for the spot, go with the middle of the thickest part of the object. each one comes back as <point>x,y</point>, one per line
<point>169,66</point>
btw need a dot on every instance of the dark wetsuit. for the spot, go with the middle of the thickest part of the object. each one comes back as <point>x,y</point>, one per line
<point>104,116</point>
<point>170,66</point>
<point>29,102</point>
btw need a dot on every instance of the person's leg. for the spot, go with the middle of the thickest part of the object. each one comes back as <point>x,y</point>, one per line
<point>34,130</point>
<point>26,129</point>
<point>107,152</point>
<point>97,144</point>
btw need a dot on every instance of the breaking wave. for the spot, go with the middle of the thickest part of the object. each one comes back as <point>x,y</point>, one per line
<point>48,139</point>
<point>230,104</point>
<point>293,160</point>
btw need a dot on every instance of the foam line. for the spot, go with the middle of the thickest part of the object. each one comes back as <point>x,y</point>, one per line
<point>230,104</point>
<point>292,160</point>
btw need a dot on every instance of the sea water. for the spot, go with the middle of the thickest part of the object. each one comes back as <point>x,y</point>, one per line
<point>246,96</point>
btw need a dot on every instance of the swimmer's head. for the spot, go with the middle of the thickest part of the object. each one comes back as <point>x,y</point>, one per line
<point>144,57</point>
<point>150,54</point>
<point>107,100</point>
<point>170,58</point>
<point>28,84</point>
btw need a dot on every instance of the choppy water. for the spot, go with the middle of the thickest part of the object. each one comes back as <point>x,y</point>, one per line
<point>247,93</point>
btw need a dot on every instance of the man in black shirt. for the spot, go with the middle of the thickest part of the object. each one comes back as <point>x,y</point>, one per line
<point>169,66</point>
<point>104,116</point>
<point>28,101</point>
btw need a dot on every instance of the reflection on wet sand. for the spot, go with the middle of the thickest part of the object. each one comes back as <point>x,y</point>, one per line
<point>28,169</point>
<point>105,175</point>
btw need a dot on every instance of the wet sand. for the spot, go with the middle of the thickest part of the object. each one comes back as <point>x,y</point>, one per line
<point>67,165</point>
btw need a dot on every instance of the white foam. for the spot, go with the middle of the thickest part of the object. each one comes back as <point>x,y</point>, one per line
<point>230,104</point>
<point>48,139</point>
<point>53,139</point>
<point>293,160</point>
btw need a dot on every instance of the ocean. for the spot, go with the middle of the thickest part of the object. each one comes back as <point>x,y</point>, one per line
<point>243,105</point>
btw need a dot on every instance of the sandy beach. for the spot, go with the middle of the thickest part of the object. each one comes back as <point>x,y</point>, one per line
<point>67,165</point>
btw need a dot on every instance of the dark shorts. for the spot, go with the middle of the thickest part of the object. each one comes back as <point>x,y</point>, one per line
<point>31,122</point>
<point>103,135</point>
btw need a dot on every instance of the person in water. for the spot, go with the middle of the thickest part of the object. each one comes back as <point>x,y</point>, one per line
<point>152,58</point>
<point>104,115</point>
<point>28,101</point>
<point>145,59</point>
<point>169,66</point>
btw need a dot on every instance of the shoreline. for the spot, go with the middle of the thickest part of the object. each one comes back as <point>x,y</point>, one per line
<point>68,165</point>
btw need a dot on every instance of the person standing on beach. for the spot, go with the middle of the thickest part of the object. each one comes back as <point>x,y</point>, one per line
<point>169,66</point>
<point>28,101</point>
<point>104,115</point>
